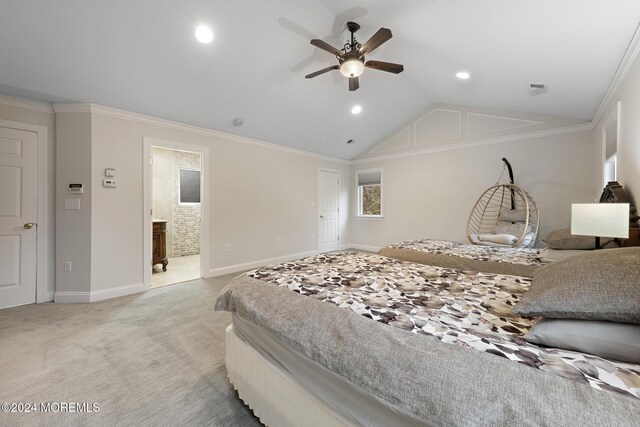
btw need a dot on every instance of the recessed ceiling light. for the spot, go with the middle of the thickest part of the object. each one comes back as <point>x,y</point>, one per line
<point>356,109</point>
<point>204,34</point>
<point>463,75</point>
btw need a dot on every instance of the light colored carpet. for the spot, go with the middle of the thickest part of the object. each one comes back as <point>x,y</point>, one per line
<point>150,359</point>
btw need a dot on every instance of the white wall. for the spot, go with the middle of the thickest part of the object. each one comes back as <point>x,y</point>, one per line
<point>73,227</point>
<point>40,114</point>
<point>628,94</point>
<point>163,184</point>
<point>430,194</point>
<point>258,194</point>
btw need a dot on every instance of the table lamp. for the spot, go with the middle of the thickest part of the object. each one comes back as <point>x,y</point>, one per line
<point>600,220</point>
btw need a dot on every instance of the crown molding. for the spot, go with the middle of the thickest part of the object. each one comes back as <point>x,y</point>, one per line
<point>582,127</point>
<point>26,103</point>
<point>629,57</point>
<point>168,124</point>
<point>72,108</point>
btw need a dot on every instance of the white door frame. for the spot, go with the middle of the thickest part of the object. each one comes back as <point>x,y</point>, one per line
<point>43,263</point>
<point>337,171</point>
<point>148,142</point>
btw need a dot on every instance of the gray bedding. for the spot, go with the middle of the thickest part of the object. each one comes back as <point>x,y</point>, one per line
<point>443,253</point>
<point>438,382</point>
<point>350,402</point>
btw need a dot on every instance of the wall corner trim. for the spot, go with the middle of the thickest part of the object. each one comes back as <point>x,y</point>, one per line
<point>259,263</point>
<point>582,127</point>
<point>358,247</point>
<point>103,294</point>
<point>627,60</point>
<point>28,104</point>
<point>168,124</point>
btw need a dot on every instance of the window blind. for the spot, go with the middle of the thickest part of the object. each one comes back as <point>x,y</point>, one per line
<point>370,178</point>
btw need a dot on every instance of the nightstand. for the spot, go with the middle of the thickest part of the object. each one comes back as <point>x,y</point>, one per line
<point>634,238</point>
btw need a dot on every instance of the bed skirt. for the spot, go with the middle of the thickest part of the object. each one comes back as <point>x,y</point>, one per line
<point>273,396</point>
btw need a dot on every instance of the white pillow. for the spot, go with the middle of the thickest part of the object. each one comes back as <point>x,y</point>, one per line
<point>501,239</point>
<point>527,240</point>
<point>515,229</point>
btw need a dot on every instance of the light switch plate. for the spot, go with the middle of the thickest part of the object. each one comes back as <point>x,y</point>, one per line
<point>72,204</point>
<point>110,172</point>
<point>109,183</point>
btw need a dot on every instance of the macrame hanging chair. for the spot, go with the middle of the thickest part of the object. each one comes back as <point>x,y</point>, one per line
<point>505,215</point>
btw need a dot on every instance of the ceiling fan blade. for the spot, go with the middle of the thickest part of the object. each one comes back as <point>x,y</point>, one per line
<point>376,40</point>
<point>325,46</point>
<point>389,67</point>
<point>324,70</point>
<point>354,84</point>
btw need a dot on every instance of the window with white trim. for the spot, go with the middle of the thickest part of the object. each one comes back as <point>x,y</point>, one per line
<point>189,187</point>
<point>369,193</point>
<point>611,153</point>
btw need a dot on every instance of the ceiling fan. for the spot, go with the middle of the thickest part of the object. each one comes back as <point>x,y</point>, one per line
<point>351,56</point>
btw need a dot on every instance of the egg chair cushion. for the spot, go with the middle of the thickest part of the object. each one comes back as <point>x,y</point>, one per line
<point>515,215</point>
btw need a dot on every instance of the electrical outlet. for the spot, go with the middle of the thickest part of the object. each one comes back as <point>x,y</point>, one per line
<point>67,266</point>
<point>227,247</point>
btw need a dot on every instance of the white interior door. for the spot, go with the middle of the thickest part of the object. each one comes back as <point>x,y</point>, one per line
<point>328,226</point>
<point>18,213</point>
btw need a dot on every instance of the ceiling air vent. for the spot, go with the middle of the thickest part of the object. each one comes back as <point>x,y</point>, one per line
<point>537,89</point>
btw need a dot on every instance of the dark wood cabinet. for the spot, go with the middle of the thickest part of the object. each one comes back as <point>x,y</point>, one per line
<point>634,238</point>
<point>160,243</point>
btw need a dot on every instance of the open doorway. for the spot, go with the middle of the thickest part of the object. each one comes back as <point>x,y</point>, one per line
<point>176,215</point>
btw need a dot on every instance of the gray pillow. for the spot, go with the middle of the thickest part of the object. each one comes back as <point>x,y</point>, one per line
<point>597,285</point>
<point>563,239</point>
<point>617,341</point>
<point>516,215</point>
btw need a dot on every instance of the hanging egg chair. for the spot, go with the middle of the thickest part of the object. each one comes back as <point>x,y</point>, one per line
<point>505,215</point>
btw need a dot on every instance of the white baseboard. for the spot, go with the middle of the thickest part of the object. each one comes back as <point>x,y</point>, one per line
<point>48,296</point>
<point>254,264</point>
<point>85,297</point>
<point>356,246</point>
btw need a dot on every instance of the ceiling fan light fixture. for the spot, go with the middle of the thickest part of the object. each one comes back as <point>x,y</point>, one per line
<point>352,67</point>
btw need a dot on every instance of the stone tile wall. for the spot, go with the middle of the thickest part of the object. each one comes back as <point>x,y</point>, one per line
<point>186,217</point>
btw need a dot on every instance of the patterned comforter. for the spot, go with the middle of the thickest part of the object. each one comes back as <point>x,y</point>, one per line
<point>489,259</point>
<point>524,256</point>
<point>455,306</point>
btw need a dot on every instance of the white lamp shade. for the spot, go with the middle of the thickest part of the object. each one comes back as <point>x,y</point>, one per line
<point>352,67</point>
<point>600,219</point>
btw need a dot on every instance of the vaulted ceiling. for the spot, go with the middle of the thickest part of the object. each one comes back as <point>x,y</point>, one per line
<point>141,56</point>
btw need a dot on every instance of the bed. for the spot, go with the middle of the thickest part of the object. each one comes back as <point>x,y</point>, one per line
<point>490,259</point>
<point>362,339</point>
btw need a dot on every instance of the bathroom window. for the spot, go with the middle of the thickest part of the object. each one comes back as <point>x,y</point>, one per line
<point>189,186</point>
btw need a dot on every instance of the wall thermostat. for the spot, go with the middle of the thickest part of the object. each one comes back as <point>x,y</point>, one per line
<point>110,172</point>
<point>76,189</point>
<point>109,183</point>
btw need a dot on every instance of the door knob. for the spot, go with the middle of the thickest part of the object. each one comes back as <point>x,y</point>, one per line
<point>29,225</point>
